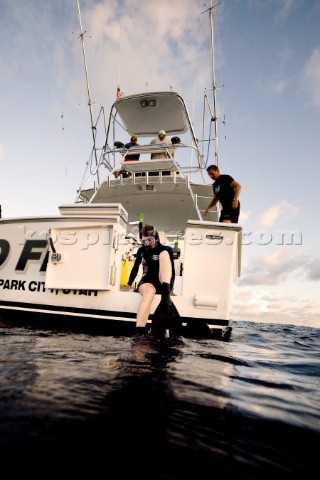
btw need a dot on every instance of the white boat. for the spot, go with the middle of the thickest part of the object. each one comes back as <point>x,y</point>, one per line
<point>73,268</point>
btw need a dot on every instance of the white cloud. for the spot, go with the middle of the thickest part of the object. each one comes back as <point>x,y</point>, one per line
<point>269,217</point>
<point>1,152</point>
<point>285,9</point>
<point>275,268</point>
<point>278,85</point>
<point>282,212</point>
<point>244,216</point>
<point>311,77</point>
<point>278,81</point>
<point>268,306</point>
<point>147,47</point>
<point>313,269</point>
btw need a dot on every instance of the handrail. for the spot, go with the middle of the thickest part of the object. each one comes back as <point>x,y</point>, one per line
<point>194,198</point>
<point>142,149</point>
<point>122,152</point>
<point>150,165</point>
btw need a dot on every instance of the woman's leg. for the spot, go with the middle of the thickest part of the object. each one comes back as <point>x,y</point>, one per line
<point>165,268</point>
<point>147,291</point>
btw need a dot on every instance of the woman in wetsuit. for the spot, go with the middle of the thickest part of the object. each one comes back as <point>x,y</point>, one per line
<point>157,273</point>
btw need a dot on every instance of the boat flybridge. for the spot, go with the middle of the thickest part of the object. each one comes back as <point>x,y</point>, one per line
<point>170,190</point>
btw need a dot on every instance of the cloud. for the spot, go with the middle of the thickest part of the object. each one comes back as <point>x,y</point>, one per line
<point>267,306</point>
<point>279,81</point>
<point>313,269</point>
<point>275,268</point>
<point>244,216</point>
<point>282,212</point>
<point>311,77</point>
<point>170,48</point>
<point>278,85</point>
<point>2,155</point>
<point>286,7</point>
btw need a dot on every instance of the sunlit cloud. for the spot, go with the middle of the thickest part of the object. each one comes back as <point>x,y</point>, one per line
<point>282,212</point>
<point>269,217</point>
<point>149,65</point>
<point>244,216</point>
<point>313,269</point>
<point>275,268</point>
<point>269,306</point>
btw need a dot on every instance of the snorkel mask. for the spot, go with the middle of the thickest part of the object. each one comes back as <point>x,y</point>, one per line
<point>147,241</point>
<point>149,232</point>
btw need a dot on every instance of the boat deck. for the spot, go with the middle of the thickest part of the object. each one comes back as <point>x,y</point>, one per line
<point>167,199</point>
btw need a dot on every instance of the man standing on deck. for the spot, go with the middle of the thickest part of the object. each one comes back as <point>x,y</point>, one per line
<point>227,191</point>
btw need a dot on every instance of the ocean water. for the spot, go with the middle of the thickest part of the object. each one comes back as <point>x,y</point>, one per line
<point>119,407</point>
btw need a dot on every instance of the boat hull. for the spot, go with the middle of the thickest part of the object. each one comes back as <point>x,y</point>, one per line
<point>70,269</point>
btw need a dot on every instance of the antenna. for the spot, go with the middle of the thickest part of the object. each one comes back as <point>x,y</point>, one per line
<point>93,128</point>
<point>214,88</point>
<point>119,57</point>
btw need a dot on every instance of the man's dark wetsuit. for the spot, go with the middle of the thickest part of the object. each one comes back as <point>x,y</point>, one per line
<point>225,194</point>
<point>150,266</point>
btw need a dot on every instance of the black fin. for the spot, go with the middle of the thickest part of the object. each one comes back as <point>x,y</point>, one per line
<point>166,317</point>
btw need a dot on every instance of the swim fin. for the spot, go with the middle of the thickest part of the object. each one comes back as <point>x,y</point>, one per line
<point>166,316</point>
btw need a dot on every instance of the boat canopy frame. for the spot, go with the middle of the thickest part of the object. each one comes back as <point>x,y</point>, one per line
<point>144,115</point>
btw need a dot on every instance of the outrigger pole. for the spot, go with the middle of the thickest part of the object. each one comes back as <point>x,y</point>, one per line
<point>93,128</point>
<point>215,119</point>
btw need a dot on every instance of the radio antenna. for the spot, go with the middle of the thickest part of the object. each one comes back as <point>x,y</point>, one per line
<point>214,88</point>
<point>93,128</point>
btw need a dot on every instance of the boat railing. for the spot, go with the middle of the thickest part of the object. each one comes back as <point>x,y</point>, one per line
<point>147,171</point>
<point>146,178</point>
<point>143,149</point>
<point>153,165</point>
<point>167,151</point>
<point>194,197</point>
<point>214,212</point>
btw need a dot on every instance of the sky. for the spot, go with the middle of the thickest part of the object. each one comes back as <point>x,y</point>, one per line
<point>267,68</point>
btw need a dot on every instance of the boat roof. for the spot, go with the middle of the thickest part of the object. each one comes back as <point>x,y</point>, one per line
<point>145,114</point>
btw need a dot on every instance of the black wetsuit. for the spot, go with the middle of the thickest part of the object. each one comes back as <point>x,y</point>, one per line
<point>149,257</point>
<point>225,194</point>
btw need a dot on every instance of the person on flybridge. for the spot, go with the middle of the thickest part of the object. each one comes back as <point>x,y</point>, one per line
<point>161,139</point>
<point>128,157</point>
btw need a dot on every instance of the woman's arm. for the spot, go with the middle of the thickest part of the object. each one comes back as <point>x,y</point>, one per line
<point>135,267</point>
